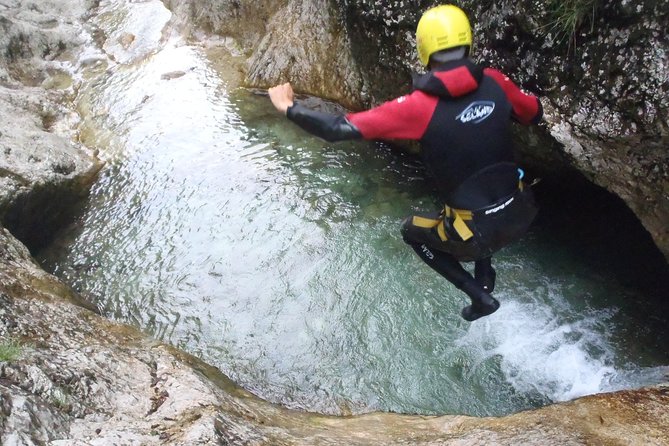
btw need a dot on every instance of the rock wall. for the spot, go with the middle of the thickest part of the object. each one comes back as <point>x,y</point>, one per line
<point>284,40</point>
<point>604,87</point>
<point>603,77</point>
<point>43,171</point>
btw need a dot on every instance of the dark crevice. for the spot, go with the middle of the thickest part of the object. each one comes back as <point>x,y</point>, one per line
<point>599,227</point>
<point>35,217</point>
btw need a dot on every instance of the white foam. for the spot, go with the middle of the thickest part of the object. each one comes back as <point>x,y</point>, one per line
<point>542,352</point>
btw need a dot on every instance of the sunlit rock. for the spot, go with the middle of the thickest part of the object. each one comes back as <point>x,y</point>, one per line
<point>43,170</point>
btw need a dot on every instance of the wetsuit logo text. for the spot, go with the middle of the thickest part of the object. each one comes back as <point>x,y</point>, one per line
<point>476,112</point>
<point>427,252</point>
<point>500,207</point>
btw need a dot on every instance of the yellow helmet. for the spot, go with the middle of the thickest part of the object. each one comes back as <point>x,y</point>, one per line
<point>441,28</point>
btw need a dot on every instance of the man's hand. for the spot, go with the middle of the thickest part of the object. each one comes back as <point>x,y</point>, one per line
<point>282,97</point>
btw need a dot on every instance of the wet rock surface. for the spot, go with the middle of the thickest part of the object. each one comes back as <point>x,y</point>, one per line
<point>80,377</point>
<point>42,174</point>
<point>303,41</point>
<point>42,169</point>
<point>326,69</point>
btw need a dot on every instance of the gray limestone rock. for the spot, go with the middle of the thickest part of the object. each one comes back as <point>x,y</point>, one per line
<point>43,170</point>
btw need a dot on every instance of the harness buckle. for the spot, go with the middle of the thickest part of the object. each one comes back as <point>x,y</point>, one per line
<point>459,217</point>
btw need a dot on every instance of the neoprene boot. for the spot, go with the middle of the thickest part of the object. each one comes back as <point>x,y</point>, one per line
<point>485,274</point>
<point>483,303</point>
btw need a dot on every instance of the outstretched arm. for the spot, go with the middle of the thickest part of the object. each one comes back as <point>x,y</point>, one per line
<point>527,108</point>
<point>328,126</point>
<point>406,117</point>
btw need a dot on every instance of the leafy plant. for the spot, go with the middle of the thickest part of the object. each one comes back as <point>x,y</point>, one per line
<point>568,16</point>
<point>10,350</point>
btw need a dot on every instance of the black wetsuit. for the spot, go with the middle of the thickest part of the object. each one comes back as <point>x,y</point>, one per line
<point>461,114</point>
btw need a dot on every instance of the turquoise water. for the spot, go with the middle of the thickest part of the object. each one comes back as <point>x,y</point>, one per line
<point>220,228</point>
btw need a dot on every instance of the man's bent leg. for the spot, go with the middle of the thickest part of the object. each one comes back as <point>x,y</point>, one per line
<point>485,274</point>
<point>447,266</point>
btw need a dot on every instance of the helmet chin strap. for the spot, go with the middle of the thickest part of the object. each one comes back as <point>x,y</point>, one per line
<point>441,57</point>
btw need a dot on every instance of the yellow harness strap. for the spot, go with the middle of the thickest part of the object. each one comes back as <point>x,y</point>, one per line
<point>423,222</point>
<point>459,217</point>
<point>441,231</point>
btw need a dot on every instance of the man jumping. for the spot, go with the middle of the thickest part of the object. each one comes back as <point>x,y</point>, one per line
<point>461,114</point>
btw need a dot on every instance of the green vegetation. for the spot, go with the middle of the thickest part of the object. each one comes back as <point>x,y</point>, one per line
<point>568,16</point>
<point>10,350</point>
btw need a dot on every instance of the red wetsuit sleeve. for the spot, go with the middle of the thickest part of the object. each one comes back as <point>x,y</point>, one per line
<point>406,117</point>
<point>526,107</point>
